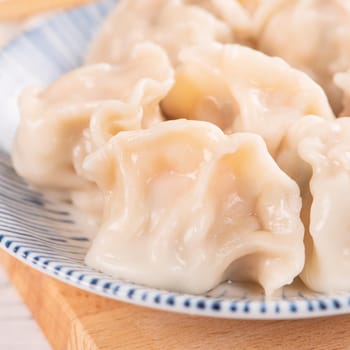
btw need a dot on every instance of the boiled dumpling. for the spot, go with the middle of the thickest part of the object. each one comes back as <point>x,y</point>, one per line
<point>53,119</point>
<point>237,14</point>
<point>251,5</point>
<point>342,80</point>
<point>241,89</point>
<point>185,209</point>
<point>318,151</point>
<point>312,35</point>
<point>53,137</point>
<point>172,24</point>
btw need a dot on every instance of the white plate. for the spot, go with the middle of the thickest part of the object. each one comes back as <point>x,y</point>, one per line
<point>45,234</point>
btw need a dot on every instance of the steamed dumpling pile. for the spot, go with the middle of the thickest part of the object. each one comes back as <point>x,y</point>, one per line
<point>181,204</point>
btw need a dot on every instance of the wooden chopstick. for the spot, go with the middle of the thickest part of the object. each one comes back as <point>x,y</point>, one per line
<point>19,9</point>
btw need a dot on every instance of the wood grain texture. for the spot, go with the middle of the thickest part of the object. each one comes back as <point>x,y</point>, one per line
<point>18,330</point>
<point>18,9</point>
<point>76,320</point>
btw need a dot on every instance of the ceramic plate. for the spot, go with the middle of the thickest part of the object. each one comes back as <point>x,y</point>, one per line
<point>46,234</point>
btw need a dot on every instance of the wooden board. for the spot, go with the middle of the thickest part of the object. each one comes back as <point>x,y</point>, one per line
<point>76,320</point>
<point>18,9</point>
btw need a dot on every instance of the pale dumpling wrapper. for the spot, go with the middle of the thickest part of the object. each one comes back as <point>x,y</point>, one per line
<point>172,24</point>
<point>237,14</point>
<point>53,120</point>
<point>323,148</point>
<point>312,35</point>
<point>251,5</point>
<point>186,211</point>
<point>342,81</point>
<point>240,89</point>
<point>62,124</point>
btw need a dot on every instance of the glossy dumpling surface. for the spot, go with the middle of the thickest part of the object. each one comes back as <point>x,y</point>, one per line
<point>311,35</point>
<point>115,97</point>
<point>342,80</point>
<point>236,14</point>
<point>185,209</point>
<point>241,89</point>
<point>62,124</point>
<point>172,24</point>
<point>323,148</point>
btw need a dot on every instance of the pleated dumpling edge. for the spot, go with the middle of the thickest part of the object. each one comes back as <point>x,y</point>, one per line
<point>188,207</point>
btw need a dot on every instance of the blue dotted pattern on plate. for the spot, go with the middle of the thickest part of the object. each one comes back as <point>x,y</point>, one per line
<point>45,234</point>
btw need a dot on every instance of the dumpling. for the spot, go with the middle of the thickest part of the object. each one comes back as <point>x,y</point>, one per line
<point>318,151</point>
<point>53,137</point>
<point>184,209</point>
<point>342,81</point>
<point>241,89</point>
<point>171,24</point>
<point>251,5</point>
<point>311,35</point>
<point>237,14</point>
<point>53,119</point>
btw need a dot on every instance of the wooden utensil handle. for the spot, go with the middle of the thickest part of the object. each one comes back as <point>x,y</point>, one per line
<point>18,9</point>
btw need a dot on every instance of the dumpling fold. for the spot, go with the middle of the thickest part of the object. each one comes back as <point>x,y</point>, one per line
<point>242,90</point>
<point>187,207</point>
